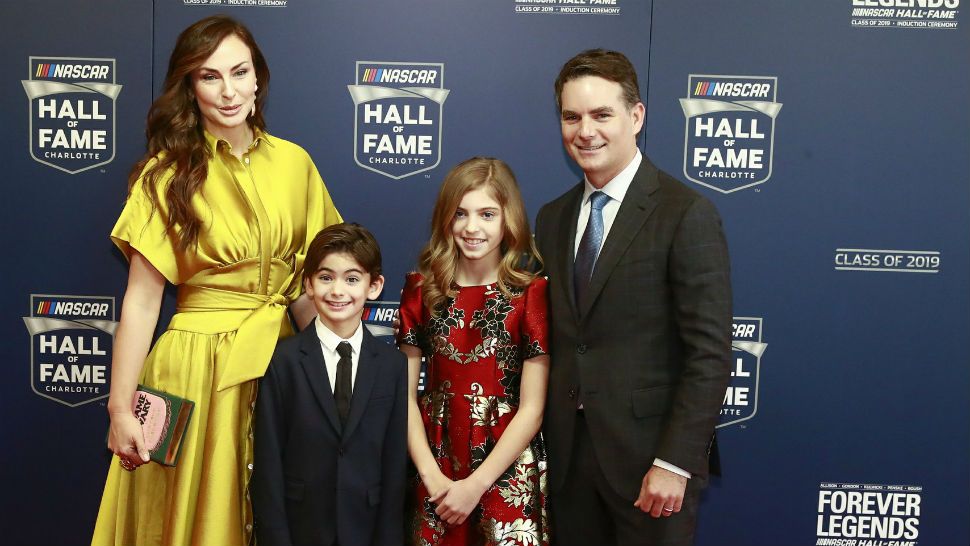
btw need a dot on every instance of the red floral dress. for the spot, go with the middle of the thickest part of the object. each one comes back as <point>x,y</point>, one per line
<point>474,351</point>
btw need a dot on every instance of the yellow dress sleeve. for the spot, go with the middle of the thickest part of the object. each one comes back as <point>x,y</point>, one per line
<point>142,228</point>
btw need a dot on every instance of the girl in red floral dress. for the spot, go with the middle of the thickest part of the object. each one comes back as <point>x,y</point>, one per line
<point>480,321</point>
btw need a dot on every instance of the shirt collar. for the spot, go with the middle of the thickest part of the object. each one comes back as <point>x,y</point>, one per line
<point>258,136</point>
<point>617,187</point>
<point>330,340</point>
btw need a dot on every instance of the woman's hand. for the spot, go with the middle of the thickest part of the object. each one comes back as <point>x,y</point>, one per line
<point>437,484</point>
<point>127,441</point>
<point>458,501</point>
<point>139,316</point>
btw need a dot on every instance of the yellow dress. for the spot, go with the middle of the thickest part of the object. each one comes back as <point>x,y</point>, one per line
<point>259,215</point>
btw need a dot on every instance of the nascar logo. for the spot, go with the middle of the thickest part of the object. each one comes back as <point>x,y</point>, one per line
<point>72,111</point>
<point>377,317</point>
<point>398,75</point>
<point>730,130</point>
<point>70,347</point>
<point>398,110</point>
<point>72,71</point>
<point>73,309</point>
<point>731,89</point>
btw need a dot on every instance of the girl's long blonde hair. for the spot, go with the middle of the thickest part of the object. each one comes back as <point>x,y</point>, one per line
<point>439,259</point>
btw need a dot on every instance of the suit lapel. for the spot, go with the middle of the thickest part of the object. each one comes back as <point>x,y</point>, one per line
<point>567,242</point>
<point>363,383</point>
<point>316,372</point>
<point>634,211</point>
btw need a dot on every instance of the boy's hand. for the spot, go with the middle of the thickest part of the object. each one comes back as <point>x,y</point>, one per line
<point>458,501</point>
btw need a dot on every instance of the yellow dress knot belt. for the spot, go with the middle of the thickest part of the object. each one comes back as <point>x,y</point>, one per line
<point>258,319</point>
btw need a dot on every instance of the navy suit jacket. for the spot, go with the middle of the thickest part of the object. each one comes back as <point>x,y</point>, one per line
<point>315,482</point>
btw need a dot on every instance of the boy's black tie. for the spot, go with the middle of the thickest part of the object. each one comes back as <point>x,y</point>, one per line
<point>342,389</point>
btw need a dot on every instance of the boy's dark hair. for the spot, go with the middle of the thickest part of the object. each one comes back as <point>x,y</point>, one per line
<point>609,65</point>
<point>353,239</point>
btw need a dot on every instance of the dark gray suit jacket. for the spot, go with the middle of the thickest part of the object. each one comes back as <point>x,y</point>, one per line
<point>650,354</point>
<point>314,482</point>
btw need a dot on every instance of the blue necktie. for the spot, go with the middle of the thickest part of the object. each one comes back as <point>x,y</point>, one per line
<point>589,246</point>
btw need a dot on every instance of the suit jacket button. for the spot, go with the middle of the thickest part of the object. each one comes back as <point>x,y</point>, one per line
<point>340,451</point>
<point>581,348</point>
<point>572,393</point>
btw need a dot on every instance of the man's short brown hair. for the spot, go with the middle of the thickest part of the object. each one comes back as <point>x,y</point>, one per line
<point>353,239</point>
<point>609,65</point>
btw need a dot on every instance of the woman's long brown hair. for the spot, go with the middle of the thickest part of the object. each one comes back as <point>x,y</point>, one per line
<point>439,259</point>
<point>176,140</point>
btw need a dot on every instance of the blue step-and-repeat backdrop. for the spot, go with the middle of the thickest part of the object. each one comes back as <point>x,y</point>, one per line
<point>833,136</point>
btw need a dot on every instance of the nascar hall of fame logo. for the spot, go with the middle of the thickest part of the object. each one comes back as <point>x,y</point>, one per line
<point>70,347</point>
<point>397,124</point>
<point>741,397</point>
<point>72,111</point>
<point>730,130</point>
<point>866,514</point>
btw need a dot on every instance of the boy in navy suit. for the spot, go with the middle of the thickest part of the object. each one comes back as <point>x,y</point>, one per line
<point>331,416</point>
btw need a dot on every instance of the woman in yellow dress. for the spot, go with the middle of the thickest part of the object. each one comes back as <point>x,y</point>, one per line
<point>225,211</point>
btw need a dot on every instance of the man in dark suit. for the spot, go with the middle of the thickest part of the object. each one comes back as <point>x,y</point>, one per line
<point>640,296</point>
<point>331,416</point>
